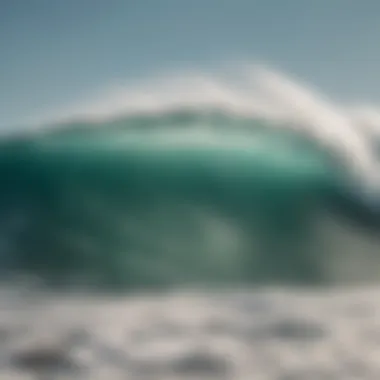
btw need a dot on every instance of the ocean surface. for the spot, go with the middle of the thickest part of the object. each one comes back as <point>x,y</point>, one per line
<point>195,229</point>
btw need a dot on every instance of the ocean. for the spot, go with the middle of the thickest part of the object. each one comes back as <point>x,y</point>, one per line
<point>194,192</point>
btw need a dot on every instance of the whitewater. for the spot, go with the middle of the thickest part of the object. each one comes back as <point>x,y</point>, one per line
<point>215,224</point>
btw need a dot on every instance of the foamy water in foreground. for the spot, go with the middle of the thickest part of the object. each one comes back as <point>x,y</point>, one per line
<point>259,334</point>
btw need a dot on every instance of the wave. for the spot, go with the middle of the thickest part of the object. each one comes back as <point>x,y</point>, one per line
<point>205,186</point>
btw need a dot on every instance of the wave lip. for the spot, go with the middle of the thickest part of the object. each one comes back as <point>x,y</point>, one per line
<point>242,91</point>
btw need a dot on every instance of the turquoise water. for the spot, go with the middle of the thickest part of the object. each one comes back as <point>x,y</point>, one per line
<point>180,199</point>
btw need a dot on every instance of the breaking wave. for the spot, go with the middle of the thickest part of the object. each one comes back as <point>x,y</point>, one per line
<point>195,180</point>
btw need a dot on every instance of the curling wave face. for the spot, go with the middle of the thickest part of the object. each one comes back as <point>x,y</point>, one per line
<point>186,196</point>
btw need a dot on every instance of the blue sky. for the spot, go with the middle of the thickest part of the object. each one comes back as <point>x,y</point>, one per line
<point>53,52</point>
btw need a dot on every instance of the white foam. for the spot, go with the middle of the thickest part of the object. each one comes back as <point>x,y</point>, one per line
<point>272,333</point>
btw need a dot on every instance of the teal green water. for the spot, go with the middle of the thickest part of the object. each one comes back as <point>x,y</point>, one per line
<point>179,200</point>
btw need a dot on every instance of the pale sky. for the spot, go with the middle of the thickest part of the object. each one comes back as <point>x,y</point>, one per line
<point>55,52</point>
